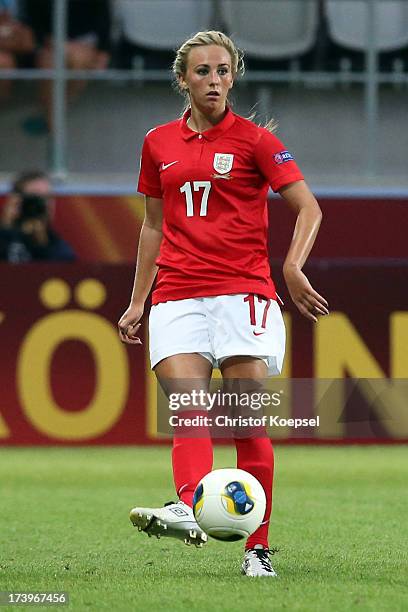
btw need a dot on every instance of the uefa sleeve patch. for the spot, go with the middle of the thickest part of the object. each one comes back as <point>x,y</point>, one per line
<point>282,157</point>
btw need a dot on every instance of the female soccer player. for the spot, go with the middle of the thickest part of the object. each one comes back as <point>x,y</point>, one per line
<point>206,177</point>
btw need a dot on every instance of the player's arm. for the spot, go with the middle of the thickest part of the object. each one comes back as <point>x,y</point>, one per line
<point>301,200</point>
<point>146,269</point>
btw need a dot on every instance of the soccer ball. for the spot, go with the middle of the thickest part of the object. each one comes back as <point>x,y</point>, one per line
<point>229,504</point>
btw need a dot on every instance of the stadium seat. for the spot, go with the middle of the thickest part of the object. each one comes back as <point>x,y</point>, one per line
<point>272,30</point>
<point>348,23</point>
<point>162,24</point>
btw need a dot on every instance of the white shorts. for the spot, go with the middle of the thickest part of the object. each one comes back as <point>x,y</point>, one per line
<point>219,327</point>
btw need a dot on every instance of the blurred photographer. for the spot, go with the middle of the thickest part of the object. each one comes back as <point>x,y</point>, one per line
<point>34,182</point>
<point>30,237</point>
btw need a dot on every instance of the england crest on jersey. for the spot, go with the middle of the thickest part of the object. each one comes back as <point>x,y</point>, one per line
<point>223,162</point>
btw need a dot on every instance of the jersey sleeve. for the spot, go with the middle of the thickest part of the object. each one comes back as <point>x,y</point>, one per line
<point>275,162</point>
<point>149,176</point>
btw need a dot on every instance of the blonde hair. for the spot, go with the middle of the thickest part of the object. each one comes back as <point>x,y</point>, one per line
<point>211,37</point>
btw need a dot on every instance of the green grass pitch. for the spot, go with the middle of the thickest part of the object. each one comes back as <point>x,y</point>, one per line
<point>339,521</point>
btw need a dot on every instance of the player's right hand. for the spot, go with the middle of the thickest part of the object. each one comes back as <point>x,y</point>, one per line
<point>129,324</point>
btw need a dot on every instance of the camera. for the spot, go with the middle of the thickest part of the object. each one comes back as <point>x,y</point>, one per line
<point>32,207</point>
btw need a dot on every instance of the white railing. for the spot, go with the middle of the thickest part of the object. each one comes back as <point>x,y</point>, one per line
<point>370,79</point>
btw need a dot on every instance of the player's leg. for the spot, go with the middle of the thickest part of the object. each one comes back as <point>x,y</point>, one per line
<point>254,455</point>
<point>248,334</point>
<point>178,334</point>
<point>192,455</point>
<point>178,340</point>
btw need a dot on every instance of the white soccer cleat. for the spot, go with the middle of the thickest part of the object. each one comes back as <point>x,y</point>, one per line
<point>257,562</point>
<point>173,520</point>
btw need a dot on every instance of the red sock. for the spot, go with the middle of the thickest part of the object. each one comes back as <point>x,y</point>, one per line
<point>192,460</point>
<point>255,455</point>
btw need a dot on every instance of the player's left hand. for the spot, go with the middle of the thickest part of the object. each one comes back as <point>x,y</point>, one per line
<point>308,301</point>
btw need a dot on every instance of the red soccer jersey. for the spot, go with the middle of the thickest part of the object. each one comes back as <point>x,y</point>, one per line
<point>214,188</point>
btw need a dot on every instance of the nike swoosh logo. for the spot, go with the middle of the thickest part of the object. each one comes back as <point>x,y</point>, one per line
<point>258,333</point>
<point>165,166</point>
